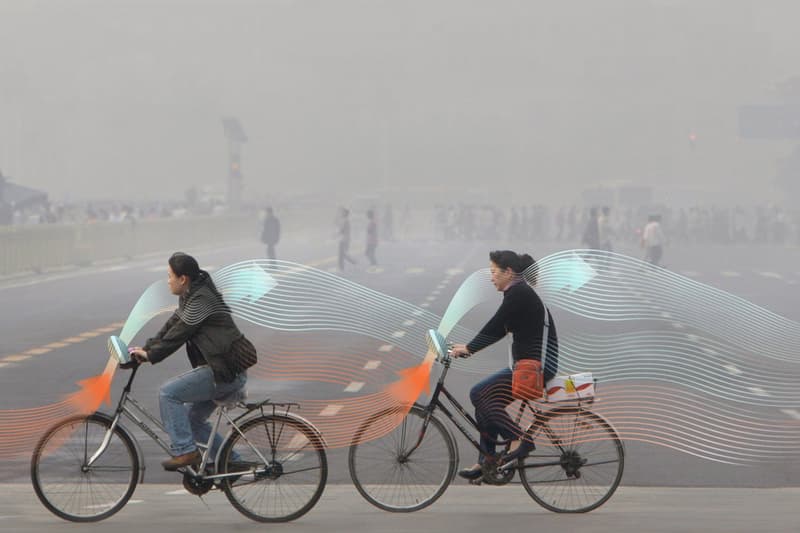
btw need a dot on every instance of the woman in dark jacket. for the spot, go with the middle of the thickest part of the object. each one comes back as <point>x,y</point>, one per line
<point>524,315</point>
<point>217,350</point>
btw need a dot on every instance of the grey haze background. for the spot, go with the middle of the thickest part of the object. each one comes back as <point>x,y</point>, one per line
<point>105,99</point>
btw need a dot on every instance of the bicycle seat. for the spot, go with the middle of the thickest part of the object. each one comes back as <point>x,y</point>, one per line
<point>231,400</point>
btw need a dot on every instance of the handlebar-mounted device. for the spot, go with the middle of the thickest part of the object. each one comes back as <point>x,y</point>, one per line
<point>439,345</point>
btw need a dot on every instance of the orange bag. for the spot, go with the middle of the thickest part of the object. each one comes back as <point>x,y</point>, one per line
<point>527,381</point>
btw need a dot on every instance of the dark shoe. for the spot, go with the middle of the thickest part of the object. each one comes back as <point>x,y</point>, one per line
<point>525,447</point>
<point>473,473</point>
<point>192,458</point>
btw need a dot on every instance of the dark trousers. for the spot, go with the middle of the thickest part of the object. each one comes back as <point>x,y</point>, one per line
<point>490,398</point>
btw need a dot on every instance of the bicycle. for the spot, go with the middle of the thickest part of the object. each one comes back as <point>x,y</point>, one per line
<point>271,466</point>
<point>403,460</point>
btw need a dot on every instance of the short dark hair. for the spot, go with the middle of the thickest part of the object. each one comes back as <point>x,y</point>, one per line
<point>184,265</point>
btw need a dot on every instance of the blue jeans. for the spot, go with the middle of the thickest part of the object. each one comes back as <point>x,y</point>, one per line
<point>490,398</point>
<point>186,401</point>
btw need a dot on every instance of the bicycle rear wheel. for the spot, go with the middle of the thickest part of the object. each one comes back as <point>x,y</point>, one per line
<point>67,486</point>
<point>388,478</point>
<point>291,480</point>
<point>578,462</point>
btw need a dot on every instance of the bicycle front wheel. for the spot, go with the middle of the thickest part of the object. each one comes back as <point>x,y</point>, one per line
<point>578,462</point>
<point>389,472</point>
<point>281,464</point>
<point>71,488</point>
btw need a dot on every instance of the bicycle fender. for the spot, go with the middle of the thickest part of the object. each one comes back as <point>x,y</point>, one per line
<point>123,429</point>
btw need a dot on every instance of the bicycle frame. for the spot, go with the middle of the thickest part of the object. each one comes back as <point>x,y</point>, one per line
<point>136,410</point>
<point>436,403</point>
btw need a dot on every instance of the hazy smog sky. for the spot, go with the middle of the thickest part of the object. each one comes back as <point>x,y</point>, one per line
<point>113,99</point>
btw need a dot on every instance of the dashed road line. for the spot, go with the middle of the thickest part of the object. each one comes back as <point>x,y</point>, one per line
<point>90,335</point>
<point>38,351</point>
<point>399,334</point>
<point>15,358</point>
<point>730,274</point>
<point>430,298</point>
<point>54,345</point>
<point>758,391</point>
<point>354,386</point>
<point>386,348</point>
<point>426,304</point>
<point>331,410</point>
<point>792,412</point>
<point>773,275</point>
<point>415,270</point>
<point>732,370</point>
<point>409,322</point>
<point>690,273</point>
<point>180,492</point>
<point>372,365</point>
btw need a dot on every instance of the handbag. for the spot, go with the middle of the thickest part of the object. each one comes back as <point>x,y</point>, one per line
<point>527,380</point>
<point>527,377</point>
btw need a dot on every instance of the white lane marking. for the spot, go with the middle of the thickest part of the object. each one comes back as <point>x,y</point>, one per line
<point>436,292</point>
<point>386,348</point>
<point>116,268</point>
<point>415,270</point>
<point>773,275</point>
<point>409,323</point>
<point>177,492</point>
<point>399,334</point>
<point>677,325</point>
<point>792,412</point>
<point>666,315</point>
<point>159,268</point>
<point>732,370</point>
<point>758,391</point>
<point>690,273</point>
<point>454,271</point>
<point>426,304</point>
<point>692,337</point>
<point>354,386</point>
<point>374,270</point>
<point>430,298</point>
<point>418,312</point>
<point>331,410</point>
<point>90,335</point>
<point>709,351</point>
<point>372,365</point>
<point>730,274</point>
<point>37,351</point>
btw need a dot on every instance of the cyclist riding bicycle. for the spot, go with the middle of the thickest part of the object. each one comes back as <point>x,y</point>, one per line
<point>218,352</point>
<point>524,315</point>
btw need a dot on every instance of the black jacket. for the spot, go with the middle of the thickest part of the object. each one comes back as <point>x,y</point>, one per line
<point>522,315</point>
<point>204,323</point>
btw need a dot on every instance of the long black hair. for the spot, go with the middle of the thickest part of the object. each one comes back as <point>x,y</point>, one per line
<point>184,265</point>
<point>521,264</point>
